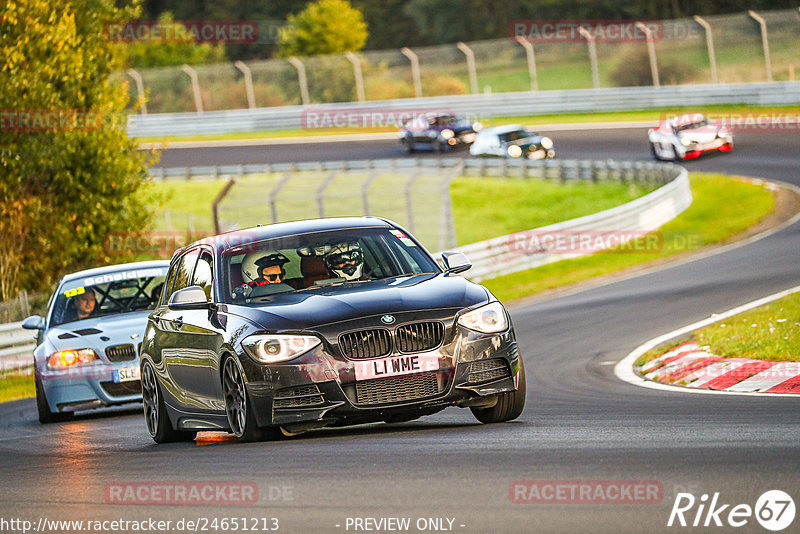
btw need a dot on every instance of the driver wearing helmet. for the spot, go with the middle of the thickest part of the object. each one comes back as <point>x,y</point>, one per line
<point>259,270</point>
<point>346,260</point>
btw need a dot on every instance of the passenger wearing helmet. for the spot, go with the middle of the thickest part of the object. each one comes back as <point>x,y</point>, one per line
<point>346,260</point>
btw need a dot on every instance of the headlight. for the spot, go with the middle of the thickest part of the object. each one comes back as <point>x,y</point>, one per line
<point>477,126</point>
<point>68,358</point>
<point>547,142</point>
<point>685,141</point>
<point>514,151</point>
<point>489,319</point>
<point>274,348</point>
<point>447,133</point>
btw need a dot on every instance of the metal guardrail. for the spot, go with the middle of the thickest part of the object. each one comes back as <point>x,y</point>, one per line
<point>503,255</point>
<point>480,106</point>
<point>16,346</point>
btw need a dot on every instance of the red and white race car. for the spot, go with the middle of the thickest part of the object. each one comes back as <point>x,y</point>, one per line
<point>688,136</point>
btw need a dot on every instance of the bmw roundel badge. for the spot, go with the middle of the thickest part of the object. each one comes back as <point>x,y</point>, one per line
<point>387,319</point>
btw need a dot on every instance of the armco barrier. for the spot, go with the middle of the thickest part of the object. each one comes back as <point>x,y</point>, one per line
<point>16,346</point>
<point>479,105</point>
<point>499,256</point>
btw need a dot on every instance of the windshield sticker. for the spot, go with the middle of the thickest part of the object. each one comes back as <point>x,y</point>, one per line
<point>403,238</point>
<point>125,275</point>
<point>76,291</point>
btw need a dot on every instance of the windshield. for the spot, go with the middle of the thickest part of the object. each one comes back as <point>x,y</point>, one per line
<point>310,261</point>
<point>108,294</point>
<point>692,125</point>
<point>514,136</point>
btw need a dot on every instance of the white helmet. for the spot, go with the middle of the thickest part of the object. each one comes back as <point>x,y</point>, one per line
<point>253,263</point>
<point>345,260</point>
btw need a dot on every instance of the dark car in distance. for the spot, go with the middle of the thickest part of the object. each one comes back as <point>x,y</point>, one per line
<point>285,328</point>
<point>437,132</point>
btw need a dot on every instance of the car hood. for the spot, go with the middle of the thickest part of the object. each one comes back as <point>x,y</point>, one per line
<point>324,305</point>
<point>99,332</point>
<point>701,135</point>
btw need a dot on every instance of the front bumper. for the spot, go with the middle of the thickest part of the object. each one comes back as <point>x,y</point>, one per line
<point>88,387</point>
<point>321,390</point>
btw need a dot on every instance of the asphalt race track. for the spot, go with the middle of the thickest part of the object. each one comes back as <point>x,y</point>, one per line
<point>580,423</point>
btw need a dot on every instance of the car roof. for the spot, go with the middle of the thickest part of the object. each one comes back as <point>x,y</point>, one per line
<point>689,118</point>
<point>270,231</point>
<point>115,268</point>
<point>497,130</point>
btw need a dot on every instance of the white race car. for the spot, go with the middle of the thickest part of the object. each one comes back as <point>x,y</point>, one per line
<point>688,136</point>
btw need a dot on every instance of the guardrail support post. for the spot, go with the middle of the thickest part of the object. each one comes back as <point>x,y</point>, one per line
<point>301,78</point>
<point>710,45</point>
<point>198,101</point>
<point>248,83</point>
<point>473,74</point>
<point>764,41</point>
<point>592,55</point>
<point>139,90</point>
<point>651,51</point>
<point>412,57</point>
<point>531,55</point>
<point>352,58</point>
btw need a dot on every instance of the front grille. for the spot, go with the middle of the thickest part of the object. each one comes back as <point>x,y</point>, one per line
<point>366,344</point>
<point>488,370</point>
<point>418,337</point>
<point>397,389</point>
<point>121,353</point>
<point>298,397</point>
<point>121,389</point>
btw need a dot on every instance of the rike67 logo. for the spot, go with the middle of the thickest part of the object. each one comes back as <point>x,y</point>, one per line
<point>774,510</point>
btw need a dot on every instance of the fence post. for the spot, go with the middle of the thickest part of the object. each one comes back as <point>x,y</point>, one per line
<point>248,83</point>
<point>301,78</point>
<point>592,55</point>
<point>530,54</point>
<point>273,195</point>
<point>352,58</point>
<point>412,57</point>
<point>139,90</point>
<point>321,192</point>
<point>651,51</point>
<point>764,41</point>
<point>473,74</point>
<point>198,101</point>
<point>712,60</point>
<point>215,204</point>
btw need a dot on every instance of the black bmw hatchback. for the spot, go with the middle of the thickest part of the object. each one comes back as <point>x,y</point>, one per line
<point>281,329</point>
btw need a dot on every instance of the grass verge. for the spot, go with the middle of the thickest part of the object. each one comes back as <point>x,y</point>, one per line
<point>722,208</point>
<point>771,332</point>
<point>16,386</point>
<point>538,120</point>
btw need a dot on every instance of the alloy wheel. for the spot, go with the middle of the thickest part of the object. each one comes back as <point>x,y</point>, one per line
<point>150,398</point>
<point>235,397</point>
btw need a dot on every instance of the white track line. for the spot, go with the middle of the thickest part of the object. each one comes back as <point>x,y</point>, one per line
<point>624,369</point>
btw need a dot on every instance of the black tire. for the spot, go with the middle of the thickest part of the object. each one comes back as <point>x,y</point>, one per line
<point>239,407</point>
<point>408,145</point>
<point>509,405</point>
<point>436,145</point>
<point>45,415</point>
<point>653,151</point>
<point>155,412</point>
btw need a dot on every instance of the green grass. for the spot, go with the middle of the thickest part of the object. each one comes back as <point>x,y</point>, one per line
<point>722,208</point>
<point>484,208</point>
<point>771,332</point>
<point>538,120</point>
<point>14,386</point>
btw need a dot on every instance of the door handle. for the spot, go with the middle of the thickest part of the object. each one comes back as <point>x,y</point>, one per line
<point>179,322</point>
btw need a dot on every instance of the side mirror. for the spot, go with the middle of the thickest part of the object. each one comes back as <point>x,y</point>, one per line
<point>34,322</point>
<point>189,298</point>
<point>455,262</point>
